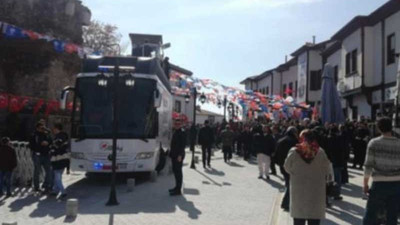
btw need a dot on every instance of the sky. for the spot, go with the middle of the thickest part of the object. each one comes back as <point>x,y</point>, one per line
<point>229,40</point>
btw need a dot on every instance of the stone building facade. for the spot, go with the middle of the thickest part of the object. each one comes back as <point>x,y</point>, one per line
<point>32,67</point>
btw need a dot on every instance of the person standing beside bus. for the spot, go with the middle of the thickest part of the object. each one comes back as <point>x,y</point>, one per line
<point>8,162</point>
<point>40,145</point>
<point>60,159</point>
<point>177,154</point>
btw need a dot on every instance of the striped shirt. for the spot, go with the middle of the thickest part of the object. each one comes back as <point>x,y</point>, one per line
<point>383,159</point>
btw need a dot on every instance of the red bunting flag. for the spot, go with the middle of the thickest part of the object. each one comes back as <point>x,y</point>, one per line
<point>51,107</point>
<point>17,103</point>
<point>3,101</point>
<point>38,105</point>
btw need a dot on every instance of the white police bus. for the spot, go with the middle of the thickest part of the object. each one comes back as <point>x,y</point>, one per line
<point>144,115</point>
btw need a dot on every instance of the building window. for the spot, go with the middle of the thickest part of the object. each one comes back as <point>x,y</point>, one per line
<point>267,91</point>
<point>291,89</point>
<point>391,49</point>
<point>336,74</point>
<point>351,62</point>
<point>315,80</point>
<point>284,90</point>
<point>295,89</point>
<point>177,106</point>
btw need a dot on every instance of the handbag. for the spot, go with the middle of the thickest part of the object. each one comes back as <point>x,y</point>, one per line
<point>332,189</point>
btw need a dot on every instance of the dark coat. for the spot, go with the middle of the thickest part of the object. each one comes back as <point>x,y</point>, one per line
<point>206,136</point>
<point>269,145</point>
<point>178,144</point>
<point>246,139</point>
<point>35,143</point>
<point>8,158</point>
<point>337,150</point>
<point>60,157</point>
<point>258,143</point>
<point>283,147</point>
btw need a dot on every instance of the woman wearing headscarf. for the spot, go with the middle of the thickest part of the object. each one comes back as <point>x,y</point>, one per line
<point>309,168</point>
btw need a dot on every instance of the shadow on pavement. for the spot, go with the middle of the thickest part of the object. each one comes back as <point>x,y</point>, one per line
<point>93,194</point>
<point>213,171</point>
<point>346,212</point>
<point>191,191</point>
<point>234,164</point>
<point>208,178</point>
<point>352,190</point>
<point>274,184</point>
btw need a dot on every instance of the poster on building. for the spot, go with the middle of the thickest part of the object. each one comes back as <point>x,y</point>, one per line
<point>302,78</point>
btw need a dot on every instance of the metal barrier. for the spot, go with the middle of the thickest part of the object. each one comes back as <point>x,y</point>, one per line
<point>23,174</point>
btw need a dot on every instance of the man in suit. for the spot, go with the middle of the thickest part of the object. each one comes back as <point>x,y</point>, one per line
<point>206,139</point>
<point>177,154</point>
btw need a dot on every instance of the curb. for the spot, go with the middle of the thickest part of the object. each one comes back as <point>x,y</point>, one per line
<point>275,211</point>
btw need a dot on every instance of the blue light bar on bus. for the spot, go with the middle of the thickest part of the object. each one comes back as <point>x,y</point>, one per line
<point>98,166</point>
<point>103,68</point>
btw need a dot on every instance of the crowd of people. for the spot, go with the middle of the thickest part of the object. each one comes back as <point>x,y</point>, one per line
<point>312,157</point>
<point>49,149</point>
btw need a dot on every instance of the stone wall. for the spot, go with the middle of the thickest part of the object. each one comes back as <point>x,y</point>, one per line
<point>33,68</point>
<point>59,18</point>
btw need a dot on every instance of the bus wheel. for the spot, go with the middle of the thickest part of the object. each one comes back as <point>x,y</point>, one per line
<point>161,160</point>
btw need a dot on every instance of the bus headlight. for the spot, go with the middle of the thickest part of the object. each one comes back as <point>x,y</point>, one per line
<point>77,155</point>
<point>144,155</point>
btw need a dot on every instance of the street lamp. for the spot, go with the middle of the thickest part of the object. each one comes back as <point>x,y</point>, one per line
<point>112,201</point>
<point>187,98</point>
<point>193,131</point>
<point>203,98</point>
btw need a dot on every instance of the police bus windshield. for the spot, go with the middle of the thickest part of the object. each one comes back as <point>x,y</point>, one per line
<point>93,109</point>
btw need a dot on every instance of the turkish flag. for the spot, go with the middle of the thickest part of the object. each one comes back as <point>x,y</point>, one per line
<point>71,48</point>
<point>14,104</point>
<point>38,105</point>
<point>32,35</point>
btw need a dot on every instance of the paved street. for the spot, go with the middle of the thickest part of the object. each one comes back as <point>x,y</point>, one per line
<point>226,194</point>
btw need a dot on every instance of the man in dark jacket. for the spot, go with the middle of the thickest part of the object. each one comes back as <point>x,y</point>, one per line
<point>336,151</point>
<point>40,145</point>
<point>8,162</point>
<point>227,138</point>
<point>360,145</point>
<point>177,154</point>
<point>206,139</point>
<point>60,158</point>
<point>276,136</point>
<point>282,150</point>
<point>246,142</point>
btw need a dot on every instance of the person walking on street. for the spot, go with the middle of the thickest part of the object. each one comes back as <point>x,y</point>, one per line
<point>382,164</point>
<point>246,142</point>
<point>40,145</point>
<point>177,154</point>
<point>309,168</point>
<point>282,149</point>
<point>336,151</point>
<point>60,159</point>
<point>227,138</point>
<point>8,162</point>
<point>276,137</point>
<point>360,145</point>
<point>206,139</point>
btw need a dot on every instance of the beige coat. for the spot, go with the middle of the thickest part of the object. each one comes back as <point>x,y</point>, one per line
<point>307,185</point>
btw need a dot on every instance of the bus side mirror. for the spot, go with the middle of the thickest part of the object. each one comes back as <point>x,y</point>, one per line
<point>64,96</point>
<point>157,98</point>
